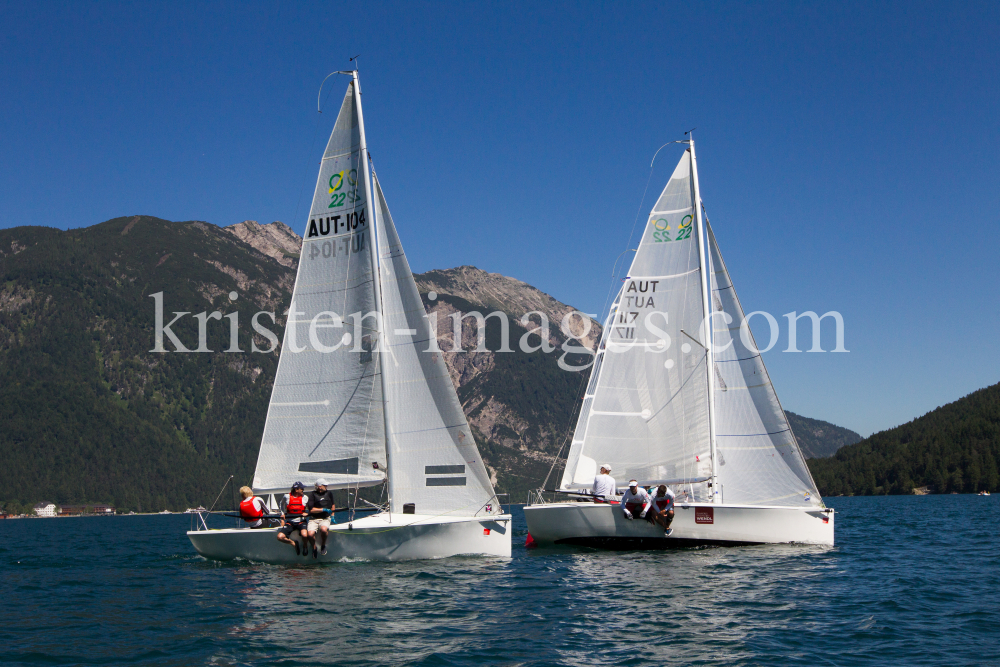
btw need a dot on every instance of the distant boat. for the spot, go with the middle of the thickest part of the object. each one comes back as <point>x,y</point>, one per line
<point>371,406</point>
<point>165,512</point>
<point>195,510</point>
<point>679,395</point>
<point>984,493</point>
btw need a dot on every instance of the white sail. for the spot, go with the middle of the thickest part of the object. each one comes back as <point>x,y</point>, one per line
<point>433,459</point>
<point>325,415</point>
<point>759,460</point>
<point>646,408</point>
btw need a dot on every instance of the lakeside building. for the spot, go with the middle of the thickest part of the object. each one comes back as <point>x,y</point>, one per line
<point>45,509</point>
<point>73,510</point>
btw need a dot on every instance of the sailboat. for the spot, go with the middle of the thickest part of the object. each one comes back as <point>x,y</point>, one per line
<point>362,396</point>
<point>679,395</point>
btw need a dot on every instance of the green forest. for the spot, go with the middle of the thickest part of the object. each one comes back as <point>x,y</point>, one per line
<point>953,449</point>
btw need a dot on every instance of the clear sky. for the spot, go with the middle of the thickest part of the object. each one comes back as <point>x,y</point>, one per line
<point>849,153</point>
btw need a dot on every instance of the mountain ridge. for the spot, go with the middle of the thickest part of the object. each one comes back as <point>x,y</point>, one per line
<point>91,415</point>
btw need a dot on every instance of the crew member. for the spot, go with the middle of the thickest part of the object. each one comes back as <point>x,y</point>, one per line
<point>663,508</point>
<point>321,508</point>
<point>636,500</point>
<point>252,508</point>
<point>295,515</point>
<point>604,488</point>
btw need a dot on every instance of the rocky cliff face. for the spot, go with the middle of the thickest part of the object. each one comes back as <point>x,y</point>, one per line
<point>276,240</point>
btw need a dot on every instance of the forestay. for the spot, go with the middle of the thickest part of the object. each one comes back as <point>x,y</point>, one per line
<point>435,463</point>
<point>759,460</point>
<point>646,408</point>
<point>325,415</point>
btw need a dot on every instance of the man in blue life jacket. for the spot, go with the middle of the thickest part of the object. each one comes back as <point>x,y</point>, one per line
<point>320,505</point>
<point>663,508</point>
<point>636,501</point>
<point>295,516</point>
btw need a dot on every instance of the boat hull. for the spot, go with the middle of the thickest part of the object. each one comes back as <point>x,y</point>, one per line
<point>695,524</point>
<point>382,537</point>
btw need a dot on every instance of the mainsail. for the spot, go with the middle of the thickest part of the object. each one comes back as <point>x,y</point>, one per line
<point>433,459</point>
<point>646,408</point>
<point>649,408</point>
<point>759,460</point>
<point>325,416</point>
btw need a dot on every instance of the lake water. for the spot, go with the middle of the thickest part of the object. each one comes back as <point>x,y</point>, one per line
<point>911,581</point>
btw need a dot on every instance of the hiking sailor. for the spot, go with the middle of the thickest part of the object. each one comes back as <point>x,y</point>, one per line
<point>253,509</point>
<point>663,508</point>
<point>635,500</point>
<point>294,513</point>
<point>321,508</point>
<point>604,488</point>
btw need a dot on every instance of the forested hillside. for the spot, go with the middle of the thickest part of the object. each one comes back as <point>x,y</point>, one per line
<point>818,438</point>
<point>952,449</point>
<point>88,412</point>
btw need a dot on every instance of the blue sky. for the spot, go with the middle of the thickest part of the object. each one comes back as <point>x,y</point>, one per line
<point>849,153</point>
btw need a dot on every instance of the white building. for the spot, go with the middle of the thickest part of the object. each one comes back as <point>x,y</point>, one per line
<point>46,509</point>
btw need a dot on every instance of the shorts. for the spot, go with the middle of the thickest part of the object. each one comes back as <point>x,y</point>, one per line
<point>289,528</point>
<point>314,524</point>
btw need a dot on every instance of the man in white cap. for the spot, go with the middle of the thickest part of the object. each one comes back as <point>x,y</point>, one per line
<point>320,510</point>
<point>604,488</point>
<point>636,501</point>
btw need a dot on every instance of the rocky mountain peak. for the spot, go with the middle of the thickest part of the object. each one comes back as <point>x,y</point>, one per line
<point>276,240</point>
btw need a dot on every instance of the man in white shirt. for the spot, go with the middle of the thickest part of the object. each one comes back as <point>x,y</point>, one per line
<point>663,508</point>
<point>636,501</point>
<point>604,488</point>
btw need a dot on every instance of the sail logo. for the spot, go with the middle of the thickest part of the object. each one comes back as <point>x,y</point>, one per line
<point>661,229</point>
<point>336,182</point>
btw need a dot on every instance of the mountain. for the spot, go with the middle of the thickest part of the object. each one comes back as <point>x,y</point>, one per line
<point>819,439</point>
<point>91,414</point>
<point>88,412</point>
<point>953,449</point>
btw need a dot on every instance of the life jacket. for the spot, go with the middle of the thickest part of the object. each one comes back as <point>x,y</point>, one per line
<point>296,505</point>
<point>249,511</point>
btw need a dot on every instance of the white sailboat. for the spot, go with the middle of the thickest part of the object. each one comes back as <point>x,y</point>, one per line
<point>362,396</point>
<point>682,398</point>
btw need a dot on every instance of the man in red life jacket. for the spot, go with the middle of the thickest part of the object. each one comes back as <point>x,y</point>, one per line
<point>253,508</point>
<point>295,514</point>
<point>663,508</point>
<point>636,501</point>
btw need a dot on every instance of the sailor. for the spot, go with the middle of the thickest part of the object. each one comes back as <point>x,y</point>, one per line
<point>252,508</point>
<point>604,488</point>
<point>295,514</point>
<point>663,508</point>
<point>636,500</point>
<point>321,508</point>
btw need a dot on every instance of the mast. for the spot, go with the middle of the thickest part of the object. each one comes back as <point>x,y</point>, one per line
<point>379,314</point>
<point>708,322</point>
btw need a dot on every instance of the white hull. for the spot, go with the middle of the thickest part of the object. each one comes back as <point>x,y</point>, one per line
<point>382,537</point>
<point>605,526</point>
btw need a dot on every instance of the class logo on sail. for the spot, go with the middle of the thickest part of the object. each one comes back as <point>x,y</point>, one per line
<point>662,231</point>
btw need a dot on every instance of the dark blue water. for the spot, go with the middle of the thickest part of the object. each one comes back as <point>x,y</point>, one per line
<point>912,581</point>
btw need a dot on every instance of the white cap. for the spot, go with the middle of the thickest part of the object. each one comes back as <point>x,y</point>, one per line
<point>606,466</point>
<point>633,483</point>
<point>320,482</point>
